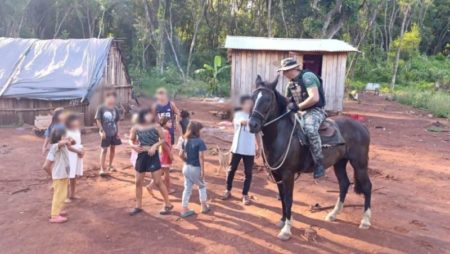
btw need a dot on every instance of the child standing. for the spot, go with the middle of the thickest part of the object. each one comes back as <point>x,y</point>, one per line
<point>57,165</point>
<point>244,147</point>
<point>149,137</point>
<point>57,123</point>
<point>167,108</point>
<point>75,154</point>
<point>166,151</point>
<point>184,122</point>
<point>194,168</point>
<point>107,117</point>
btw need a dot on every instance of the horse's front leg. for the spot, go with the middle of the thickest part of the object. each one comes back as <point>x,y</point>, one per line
<point>288,190</point>
<point>280,224</point>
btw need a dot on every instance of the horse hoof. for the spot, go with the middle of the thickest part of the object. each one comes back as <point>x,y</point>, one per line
<point>284,236</point>
<point>280,224</point>
<point>330,217</point>
<point>364,225</point>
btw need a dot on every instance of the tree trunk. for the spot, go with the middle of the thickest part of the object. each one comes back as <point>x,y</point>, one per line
<point>170,40</point>
<point>283,18</point>
<point>397,56</point>
<point>329,18</point>
<point>162,28</point>
<point>269,18</point>
<point>363,36</point>
<point>194,36</point>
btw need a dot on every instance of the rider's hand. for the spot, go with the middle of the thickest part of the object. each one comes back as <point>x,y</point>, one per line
<point>292,106</point>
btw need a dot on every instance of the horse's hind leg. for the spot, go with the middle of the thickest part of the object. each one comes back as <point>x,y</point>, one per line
<point>344,183</point>
<point>364,186</point>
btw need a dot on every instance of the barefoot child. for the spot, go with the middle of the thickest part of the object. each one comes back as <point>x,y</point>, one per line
<point>149,135</point>
<point>57,165</point>
<point>107,117</point>
<point>75,154</point>
<point>194,168</point>
<point>57,123</point>
<point>166,151</point>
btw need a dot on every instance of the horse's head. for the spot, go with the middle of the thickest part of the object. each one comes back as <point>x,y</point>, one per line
<point>264,97</point>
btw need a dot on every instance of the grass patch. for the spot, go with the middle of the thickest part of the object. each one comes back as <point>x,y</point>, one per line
<point>436,102</point>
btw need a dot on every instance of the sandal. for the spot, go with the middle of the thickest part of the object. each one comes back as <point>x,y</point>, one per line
<point>135,211</point>
<point>57,219</point>
<point>187,214</point>
<point>112,169</point>
<point>206,210</point>
<point>63,213</point>
<point>246,200</point>
<point>226,195</point>
<point>166,210</point>
<point>103,173</point>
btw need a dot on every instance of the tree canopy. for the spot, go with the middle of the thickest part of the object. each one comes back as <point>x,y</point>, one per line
<point>186,34</point>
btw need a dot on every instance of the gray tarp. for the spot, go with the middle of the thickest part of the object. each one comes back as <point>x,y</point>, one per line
<point>51,69</point>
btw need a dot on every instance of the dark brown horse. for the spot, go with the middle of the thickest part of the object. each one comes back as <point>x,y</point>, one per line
<point>286,157</point>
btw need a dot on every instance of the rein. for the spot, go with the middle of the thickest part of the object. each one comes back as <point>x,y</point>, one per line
<point>266,163</point>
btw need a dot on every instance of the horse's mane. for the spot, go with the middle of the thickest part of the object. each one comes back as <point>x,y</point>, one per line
<point>282,102</point>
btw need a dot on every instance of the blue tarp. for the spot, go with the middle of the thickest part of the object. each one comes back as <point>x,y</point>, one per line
<point>51,69</point>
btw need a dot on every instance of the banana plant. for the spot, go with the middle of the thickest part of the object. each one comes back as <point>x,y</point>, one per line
<point>211,73</point>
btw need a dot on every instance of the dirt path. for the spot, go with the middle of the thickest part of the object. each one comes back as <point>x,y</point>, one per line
<point>410,168</point>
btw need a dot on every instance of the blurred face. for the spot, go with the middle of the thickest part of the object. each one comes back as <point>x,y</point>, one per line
<point>110,100</point>
<point>149,118</point>
<point>161,96</point>
<point>75,124</point>
<point>290,74</point>
<point>247,106</point>
<point>169,124</point>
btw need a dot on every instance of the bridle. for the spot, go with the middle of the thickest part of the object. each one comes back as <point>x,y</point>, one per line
<point>263,119</point>
<point>261,116</point>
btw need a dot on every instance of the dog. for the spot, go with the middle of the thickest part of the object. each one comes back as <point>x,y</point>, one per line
<point>224,158</point>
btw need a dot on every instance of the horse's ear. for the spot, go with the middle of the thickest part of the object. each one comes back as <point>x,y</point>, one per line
<point>274,83</point>
<point>258,81</point>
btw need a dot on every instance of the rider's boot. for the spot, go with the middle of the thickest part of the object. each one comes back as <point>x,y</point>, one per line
<point>319,170</point>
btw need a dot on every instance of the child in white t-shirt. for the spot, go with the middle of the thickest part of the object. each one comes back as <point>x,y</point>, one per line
<point>57,165</point>
<point>245,146</point>
<point>75,155</point>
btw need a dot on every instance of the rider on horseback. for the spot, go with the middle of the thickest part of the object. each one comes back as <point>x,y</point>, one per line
<point>306,96</point>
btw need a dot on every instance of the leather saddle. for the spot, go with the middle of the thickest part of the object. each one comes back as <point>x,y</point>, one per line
<point>327,128</point>
<point>329,134</point>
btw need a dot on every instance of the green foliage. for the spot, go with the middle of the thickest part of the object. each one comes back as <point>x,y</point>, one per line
<point>410,43</point>
<point>435,101</point>
<point>211,74</point>
<point>146,83</point>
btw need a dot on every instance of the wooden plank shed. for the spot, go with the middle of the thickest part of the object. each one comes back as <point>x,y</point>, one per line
<point>251,56</point>
<point>65,61</point>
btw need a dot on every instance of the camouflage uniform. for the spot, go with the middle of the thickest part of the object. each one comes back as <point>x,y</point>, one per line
<point>313,116</point>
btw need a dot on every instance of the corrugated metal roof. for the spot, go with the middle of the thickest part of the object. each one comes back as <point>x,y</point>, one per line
<point>287,44</point>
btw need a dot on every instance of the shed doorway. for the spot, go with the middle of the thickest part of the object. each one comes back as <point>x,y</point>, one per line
<point>313,63</point>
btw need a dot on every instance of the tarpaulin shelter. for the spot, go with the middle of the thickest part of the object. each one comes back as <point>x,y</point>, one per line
<point>37,76</point>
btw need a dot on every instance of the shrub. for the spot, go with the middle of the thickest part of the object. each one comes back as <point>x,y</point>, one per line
<point>437,103</point>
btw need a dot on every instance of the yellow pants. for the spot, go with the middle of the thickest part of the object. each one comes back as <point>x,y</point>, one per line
<point>59,195</point>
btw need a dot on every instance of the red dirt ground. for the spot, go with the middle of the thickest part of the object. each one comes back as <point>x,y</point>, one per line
<point>410,171</point>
